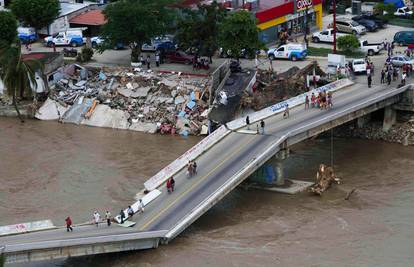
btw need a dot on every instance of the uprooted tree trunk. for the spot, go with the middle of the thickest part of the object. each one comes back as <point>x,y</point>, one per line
<point>16,107</point>
<point>324,178</point>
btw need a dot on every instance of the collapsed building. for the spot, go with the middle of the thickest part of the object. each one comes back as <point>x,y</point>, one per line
<point>271,88</point>
<point>131,99</point>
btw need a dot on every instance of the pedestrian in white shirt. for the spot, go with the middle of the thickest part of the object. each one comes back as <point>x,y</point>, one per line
<point>96,218</point>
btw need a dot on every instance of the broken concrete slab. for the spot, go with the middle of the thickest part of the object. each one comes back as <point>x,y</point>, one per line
<point>179,100</point>
<point>104,116</point>
<point>50,110</point>
<point>135,93</point>
<point>143,127</point>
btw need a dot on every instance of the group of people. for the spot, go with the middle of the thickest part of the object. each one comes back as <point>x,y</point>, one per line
<point>391,73</point>
<point>147,61</point>
<point>96,217</point>
<point>200,63</point>
<point>191,168</point>
<point>322,101</point>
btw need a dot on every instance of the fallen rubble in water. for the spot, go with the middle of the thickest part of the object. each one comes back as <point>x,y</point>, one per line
<point>131,99</point>
<point>325,177</point>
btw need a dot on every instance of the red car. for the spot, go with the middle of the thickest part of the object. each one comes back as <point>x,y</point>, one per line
<point>178,57</point>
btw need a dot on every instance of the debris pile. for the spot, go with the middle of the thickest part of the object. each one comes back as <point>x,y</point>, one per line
<point>272,88</point>
<point>324,178</point>
<point>139,100</point>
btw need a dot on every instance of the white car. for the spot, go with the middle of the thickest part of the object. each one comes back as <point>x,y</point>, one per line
<point>400,60</point>
<point>403,12</point>
<point>358,65</point>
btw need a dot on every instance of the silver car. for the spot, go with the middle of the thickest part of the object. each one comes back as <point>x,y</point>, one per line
<point>398,61</point>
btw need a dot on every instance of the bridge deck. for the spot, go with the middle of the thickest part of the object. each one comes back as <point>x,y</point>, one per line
<point>215,167</point>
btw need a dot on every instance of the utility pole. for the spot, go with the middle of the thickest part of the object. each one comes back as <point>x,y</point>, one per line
<point>334,26</point>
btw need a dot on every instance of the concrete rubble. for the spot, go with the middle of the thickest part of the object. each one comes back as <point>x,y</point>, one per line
<point>132,99</point>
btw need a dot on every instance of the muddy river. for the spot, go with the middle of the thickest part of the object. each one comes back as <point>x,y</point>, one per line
<point>50,170</point>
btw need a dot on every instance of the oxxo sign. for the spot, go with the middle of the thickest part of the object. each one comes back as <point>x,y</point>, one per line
<point>301,4</point>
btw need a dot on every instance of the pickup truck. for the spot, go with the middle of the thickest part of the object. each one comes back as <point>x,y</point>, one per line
<point>370,48</point>
<point>325,36</point>
<point>70,37</point>
<point>404,12</point>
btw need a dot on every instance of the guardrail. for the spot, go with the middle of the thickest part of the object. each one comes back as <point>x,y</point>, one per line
<point>39,245</point>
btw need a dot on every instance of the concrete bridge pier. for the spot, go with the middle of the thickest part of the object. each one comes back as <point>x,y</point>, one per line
<point>390,117</point>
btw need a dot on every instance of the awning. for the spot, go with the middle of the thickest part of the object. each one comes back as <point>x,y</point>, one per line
<point>92,18</point>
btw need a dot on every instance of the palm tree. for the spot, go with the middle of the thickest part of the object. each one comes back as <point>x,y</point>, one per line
<point>18,75</point>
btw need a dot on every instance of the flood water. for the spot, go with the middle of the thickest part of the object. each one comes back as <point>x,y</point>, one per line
<point>51,170</point>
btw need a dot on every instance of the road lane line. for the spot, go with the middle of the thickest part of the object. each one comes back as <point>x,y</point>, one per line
<point>193,186</point>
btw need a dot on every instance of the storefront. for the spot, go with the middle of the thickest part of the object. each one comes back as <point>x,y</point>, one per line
<point>294,16</point>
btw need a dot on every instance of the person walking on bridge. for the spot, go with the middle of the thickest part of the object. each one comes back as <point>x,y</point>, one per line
<point>122,215</point>
<point>369,81</point>
<point>248,122</point>
<point>286,113</point>
<point>141,206</point>
<point>262,127</point>
<point>194,167</point>
<point>172,183</point>
<point>108,218</point>
<point>306,102</point>
<point>96,218</point>
<point>168,184</point>
<point>68,221</point>
<point>130,211</point>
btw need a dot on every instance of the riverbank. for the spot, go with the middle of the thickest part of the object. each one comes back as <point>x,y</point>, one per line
<point>401,133</point>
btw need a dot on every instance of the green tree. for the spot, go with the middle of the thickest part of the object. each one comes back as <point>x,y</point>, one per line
<point>8,28</point>
<point>239,31</point>
<point>2,260</point>
<point>135,22</point>
<point>36,13</point>
<point>388,9</point>
<point>348,43</point>
<point>199,29</point>
<point>18,75</point>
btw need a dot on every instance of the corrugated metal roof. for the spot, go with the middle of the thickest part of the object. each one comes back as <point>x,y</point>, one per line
<point>93,17</point>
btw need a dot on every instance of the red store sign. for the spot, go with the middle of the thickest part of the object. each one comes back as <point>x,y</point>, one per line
<point>301,4</point>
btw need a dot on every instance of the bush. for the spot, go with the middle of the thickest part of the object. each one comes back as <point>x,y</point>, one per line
<point>85,54</point>
<point>348,43</point>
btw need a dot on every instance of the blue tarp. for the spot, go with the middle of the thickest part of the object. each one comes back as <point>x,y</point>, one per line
<point>397,3</point>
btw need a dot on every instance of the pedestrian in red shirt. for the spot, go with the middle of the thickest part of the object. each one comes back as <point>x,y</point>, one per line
<point>169,186</point>
<point>68,224</point>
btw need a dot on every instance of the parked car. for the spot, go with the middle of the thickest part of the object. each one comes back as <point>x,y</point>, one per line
<point>370,48</point>
<point>97,41</point>
<point>379,21</point>
<point>403,12</point>
<point>404,38</point>
<point>398,61</point>
<point>358,65</point>
<point>178,57</point>
<point>289,51</point>
<point>350,26</point>
<point>325,36</point>
<point>370,25</point>
<point>27,34</point>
